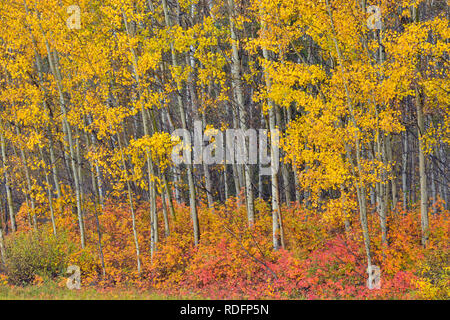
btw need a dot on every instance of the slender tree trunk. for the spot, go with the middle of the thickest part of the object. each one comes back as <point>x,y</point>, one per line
<point>97,221</point>
<point>9,200</point>
<point>98,172</point>
<point>238,91</point>
<point>49,191</point>
<point>225,176</point>
<point>390,159</point>
<point>443,183</point>
<point>130,201</point>
<point>276,227</point>
<point>284,166</point>
<point>405,190</point>
<point>165,215</point>
<point>54,167</point>
<point>54,66</point>
<point>361,190</point>
<point>381,188</point>
<point>294,168</point>
<point>150,169</point>
<point>2,245</point>
<point>422,164</point>
<point>422,170</point>
<point>208,182</point>
<point>47,109</point>
<point>190,169</point>
<point>28,181</point>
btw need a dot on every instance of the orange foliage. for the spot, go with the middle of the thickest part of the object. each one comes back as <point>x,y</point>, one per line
<point>321,260</point>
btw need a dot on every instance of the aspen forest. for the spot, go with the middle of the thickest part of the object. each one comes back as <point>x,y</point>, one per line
<point>233,149</point>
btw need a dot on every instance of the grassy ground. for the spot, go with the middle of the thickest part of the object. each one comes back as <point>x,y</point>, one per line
<point>51,291</point>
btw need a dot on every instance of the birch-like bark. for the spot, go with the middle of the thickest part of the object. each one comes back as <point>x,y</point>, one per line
<point>9,200</point>
<point>96,191</point>
<point>190,169</point>
<point>443,183</point>
<point>381,187</point>
<point>28,181</point>
<point>393,181</point>
<point>207,173</point>
<point>260,167</point>
<point>239,93</point>
<point>276,222</point>
<point>284,165</point>
<point>422,164</point>
<point>422,170</point>
<point>150,168</point>
<point>361,190</point>
<point>405,190</point>
<point>2,244</point>
<point>98,172</point>
<point>53,165</point>
<point>294,168</point>
<point>49,191</point>
<point>130,202</point>
<point>54,66</point>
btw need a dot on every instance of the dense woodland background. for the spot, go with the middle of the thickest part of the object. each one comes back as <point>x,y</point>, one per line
<point>359,93</point>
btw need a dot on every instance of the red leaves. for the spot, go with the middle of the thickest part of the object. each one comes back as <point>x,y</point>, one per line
<point>234,262</point>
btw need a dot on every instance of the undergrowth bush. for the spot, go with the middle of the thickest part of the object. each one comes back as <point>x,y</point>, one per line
<point>321,260</point>
<point>30,254</point>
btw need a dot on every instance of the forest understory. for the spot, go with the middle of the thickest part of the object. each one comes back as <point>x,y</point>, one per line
<point>321,259</point>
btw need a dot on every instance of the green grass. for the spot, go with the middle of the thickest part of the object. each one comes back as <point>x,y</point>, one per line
<point>51,291</point>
